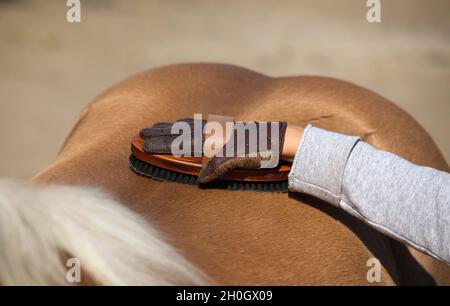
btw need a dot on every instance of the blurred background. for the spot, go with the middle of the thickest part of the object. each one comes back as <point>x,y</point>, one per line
<point>49,68</point>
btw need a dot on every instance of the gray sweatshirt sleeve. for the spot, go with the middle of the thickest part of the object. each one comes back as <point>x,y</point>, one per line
<point>407,202</point>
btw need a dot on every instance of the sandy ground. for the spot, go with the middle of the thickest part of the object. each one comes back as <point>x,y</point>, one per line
<point>49,69</point>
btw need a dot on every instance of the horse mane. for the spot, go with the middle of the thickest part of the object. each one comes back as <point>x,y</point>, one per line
<point>42,226</point>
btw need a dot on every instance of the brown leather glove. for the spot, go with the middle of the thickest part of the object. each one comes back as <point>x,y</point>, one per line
<point>244,149</point>
<point>159,138</point>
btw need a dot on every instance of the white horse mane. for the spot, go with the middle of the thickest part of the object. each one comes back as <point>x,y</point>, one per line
<point>42,226</point>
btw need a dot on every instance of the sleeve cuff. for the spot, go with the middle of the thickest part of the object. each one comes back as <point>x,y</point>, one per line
<point>319,164</point>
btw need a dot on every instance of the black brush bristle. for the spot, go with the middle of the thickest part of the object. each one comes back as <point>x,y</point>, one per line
<point>152,171</point>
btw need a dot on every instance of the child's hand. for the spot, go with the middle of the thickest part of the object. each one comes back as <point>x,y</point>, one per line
<point>250,145</point>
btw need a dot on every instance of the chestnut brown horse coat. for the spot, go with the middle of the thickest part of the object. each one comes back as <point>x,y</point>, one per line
<point>245,237</point>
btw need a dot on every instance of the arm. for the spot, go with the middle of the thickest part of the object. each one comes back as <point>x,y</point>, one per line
<point>407,202</point>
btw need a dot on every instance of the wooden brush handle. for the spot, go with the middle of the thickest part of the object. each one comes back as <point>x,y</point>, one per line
<point>192,165</point>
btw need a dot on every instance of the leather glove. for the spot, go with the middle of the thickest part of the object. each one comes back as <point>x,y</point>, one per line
<point>159,138</point>
<point>242,150</point>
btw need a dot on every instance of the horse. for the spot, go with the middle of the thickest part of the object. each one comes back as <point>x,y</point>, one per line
<point>217,236</point>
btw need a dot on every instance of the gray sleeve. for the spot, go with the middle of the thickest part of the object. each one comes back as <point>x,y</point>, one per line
<point>407,202</point>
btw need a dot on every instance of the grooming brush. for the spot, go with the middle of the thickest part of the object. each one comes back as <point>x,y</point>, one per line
<point>169,168</point>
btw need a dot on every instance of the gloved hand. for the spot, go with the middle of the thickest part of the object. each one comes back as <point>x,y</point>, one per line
<point>159,138</point>
<point>258,147</point>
